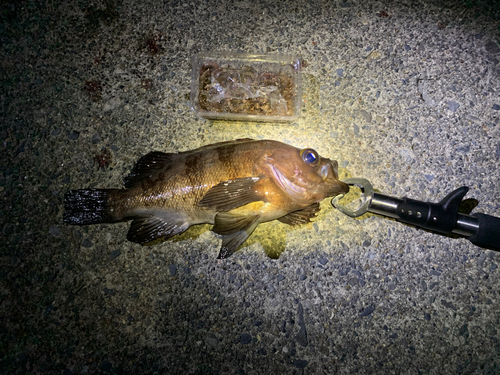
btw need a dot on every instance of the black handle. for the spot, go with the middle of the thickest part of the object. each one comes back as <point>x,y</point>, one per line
<point>443,217</point>
<point>488,232</point>
<point>439,217</point>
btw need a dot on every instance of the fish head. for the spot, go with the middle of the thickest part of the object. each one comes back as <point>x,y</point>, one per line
<point>304,175</point>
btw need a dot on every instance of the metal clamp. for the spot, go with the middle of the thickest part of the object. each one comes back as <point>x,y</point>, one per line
<point>442,217</point>
<point>368,191</point>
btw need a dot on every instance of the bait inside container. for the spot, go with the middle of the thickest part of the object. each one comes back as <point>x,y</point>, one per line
<point>246,87</point>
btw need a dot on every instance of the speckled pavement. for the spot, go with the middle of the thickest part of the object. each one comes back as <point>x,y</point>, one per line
<point>405,94</point>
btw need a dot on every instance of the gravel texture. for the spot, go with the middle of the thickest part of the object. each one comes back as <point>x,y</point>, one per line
<point>403,93</point>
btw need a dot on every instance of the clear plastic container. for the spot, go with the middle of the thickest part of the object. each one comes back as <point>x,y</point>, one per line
<point>246,87</point>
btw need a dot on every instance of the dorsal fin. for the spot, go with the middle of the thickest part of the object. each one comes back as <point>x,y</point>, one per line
<point>149,166</point>
<point>218,144</point>
<point>155,162</point>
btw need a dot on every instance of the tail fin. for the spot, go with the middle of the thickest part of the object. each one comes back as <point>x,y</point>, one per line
<point>89,206</point>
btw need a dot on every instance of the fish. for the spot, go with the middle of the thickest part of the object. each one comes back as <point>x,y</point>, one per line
<point>233,185</point>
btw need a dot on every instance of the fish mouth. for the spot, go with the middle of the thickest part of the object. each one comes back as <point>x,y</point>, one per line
<point>293,190</point>
<point>329,173</point>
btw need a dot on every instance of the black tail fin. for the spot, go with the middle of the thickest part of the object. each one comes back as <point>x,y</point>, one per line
<point>89,206</point>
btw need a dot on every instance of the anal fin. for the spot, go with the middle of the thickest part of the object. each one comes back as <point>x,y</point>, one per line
<point>144,230</point>
<point>303,216</point>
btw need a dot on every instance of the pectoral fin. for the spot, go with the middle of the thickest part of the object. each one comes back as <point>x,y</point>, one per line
<point>303,216</point>
<point>147,229</point>
<point>235,230</point>
<point>231,194</point>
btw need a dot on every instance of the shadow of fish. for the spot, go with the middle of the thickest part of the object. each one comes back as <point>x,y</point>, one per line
<point>233,185</point>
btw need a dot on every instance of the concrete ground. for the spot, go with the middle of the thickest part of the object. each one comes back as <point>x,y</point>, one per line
<point>405,94</point>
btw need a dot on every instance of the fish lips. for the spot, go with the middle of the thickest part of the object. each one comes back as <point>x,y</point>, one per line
<point>329,172</point>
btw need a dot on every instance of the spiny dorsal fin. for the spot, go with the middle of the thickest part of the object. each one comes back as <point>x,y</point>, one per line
<point>155,162</point>
<point>231,194</point>
<point>219,144</point>
<point>303,216</point>
<point>149,166</point>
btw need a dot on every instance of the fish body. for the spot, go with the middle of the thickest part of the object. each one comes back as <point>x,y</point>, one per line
<point>233,185</point>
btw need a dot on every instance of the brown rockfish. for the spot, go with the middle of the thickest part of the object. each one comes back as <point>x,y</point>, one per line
<point>233,185</point>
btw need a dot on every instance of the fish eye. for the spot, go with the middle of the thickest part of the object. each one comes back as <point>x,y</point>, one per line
<point>310,156</point>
